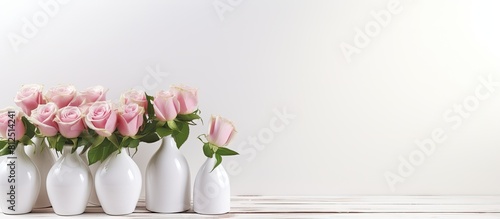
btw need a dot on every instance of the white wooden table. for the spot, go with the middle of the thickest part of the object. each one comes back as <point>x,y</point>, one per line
<point>328,207</point>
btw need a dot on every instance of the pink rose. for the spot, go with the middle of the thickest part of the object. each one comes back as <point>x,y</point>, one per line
<point>94,94</point>
<point>29,97</point>
<point>61,95</point>
<point>70,121</point>
<point>77,100</point>
<point>43,117</point>
<point>88,96</point>
<point>135,96</point>
<point>221,131</point>
<point>102,118</point>
<point>11,117</point>
<point>187,97</point>
<point>166,106</point>
<point>130,118</point>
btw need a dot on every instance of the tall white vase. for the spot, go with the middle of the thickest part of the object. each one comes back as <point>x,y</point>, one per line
<point>68,184</point>
<point>44,159</point>
<point>212,191</point>
<point>93,168</point>
<point>118,183</point>
<point>19,183</point>
<point>168,184</point>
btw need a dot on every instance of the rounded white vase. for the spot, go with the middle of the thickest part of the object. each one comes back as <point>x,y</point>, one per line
<point>19,182</point>
<point>118,183</point>
<point>69,183</point>
<point>168,184</point>
<point>212,190</point>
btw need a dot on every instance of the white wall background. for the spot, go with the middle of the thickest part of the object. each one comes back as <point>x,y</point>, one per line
<point>353,120</point>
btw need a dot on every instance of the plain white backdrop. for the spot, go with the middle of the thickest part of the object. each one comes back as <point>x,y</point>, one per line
<point>328,97</point>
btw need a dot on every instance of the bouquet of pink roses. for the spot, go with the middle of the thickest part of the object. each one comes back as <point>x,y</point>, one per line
<point>65,116</point>
<point>144,118</point>
<point>59,113</point>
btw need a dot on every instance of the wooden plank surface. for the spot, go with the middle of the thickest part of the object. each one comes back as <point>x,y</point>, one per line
<point>331,206</point>
<point>368,204</point>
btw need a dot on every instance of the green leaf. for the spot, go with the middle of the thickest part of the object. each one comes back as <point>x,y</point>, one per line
<point>85,148</point>
<point>223,151</point>
<point>30,128</point>
<point>98,140</point>
<point>101,151</point>
<point>133,143</point>
<point>96,153</point>
<point>148,128</point>
<point>171,124</point>
<point>108,151</point>
<point>75,144</point>
<point>4,145</point>
<point>52,141</point>
<point>112,138</point>
<point>180,136</point>
<point>90,134</point>
<point>188,117</point>
<point>61,140</point>
<point>162,132</point>
<point>82,141</point>
<point>152,137</point>
<point>207,150</point>
<point>219,160</point>
<point>26,140</point>
<point>125,141</point>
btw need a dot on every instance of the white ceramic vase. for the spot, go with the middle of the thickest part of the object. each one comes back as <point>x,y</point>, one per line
<point>93,200</point>
<point>44,159</point>
<point>69,183</point>
<point>19,182</point>
<point>168,184</point>
<point>118,183</point>
<point>212,191</point>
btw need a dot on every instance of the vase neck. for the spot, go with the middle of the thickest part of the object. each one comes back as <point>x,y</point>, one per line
<point>168,142</point>
<point>19,151</point>
<point>67,150</point>
<point>211,162</point>
<point>122,151</point>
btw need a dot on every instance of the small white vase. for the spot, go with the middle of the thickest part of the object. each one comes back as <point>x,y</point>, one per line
<point>44,159</point>
<point>68,184</point>
<point>19,183</point>
<point>93,200</point>
<point>212,191</point>
<point>168,184</point>
<point>118,183</point>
